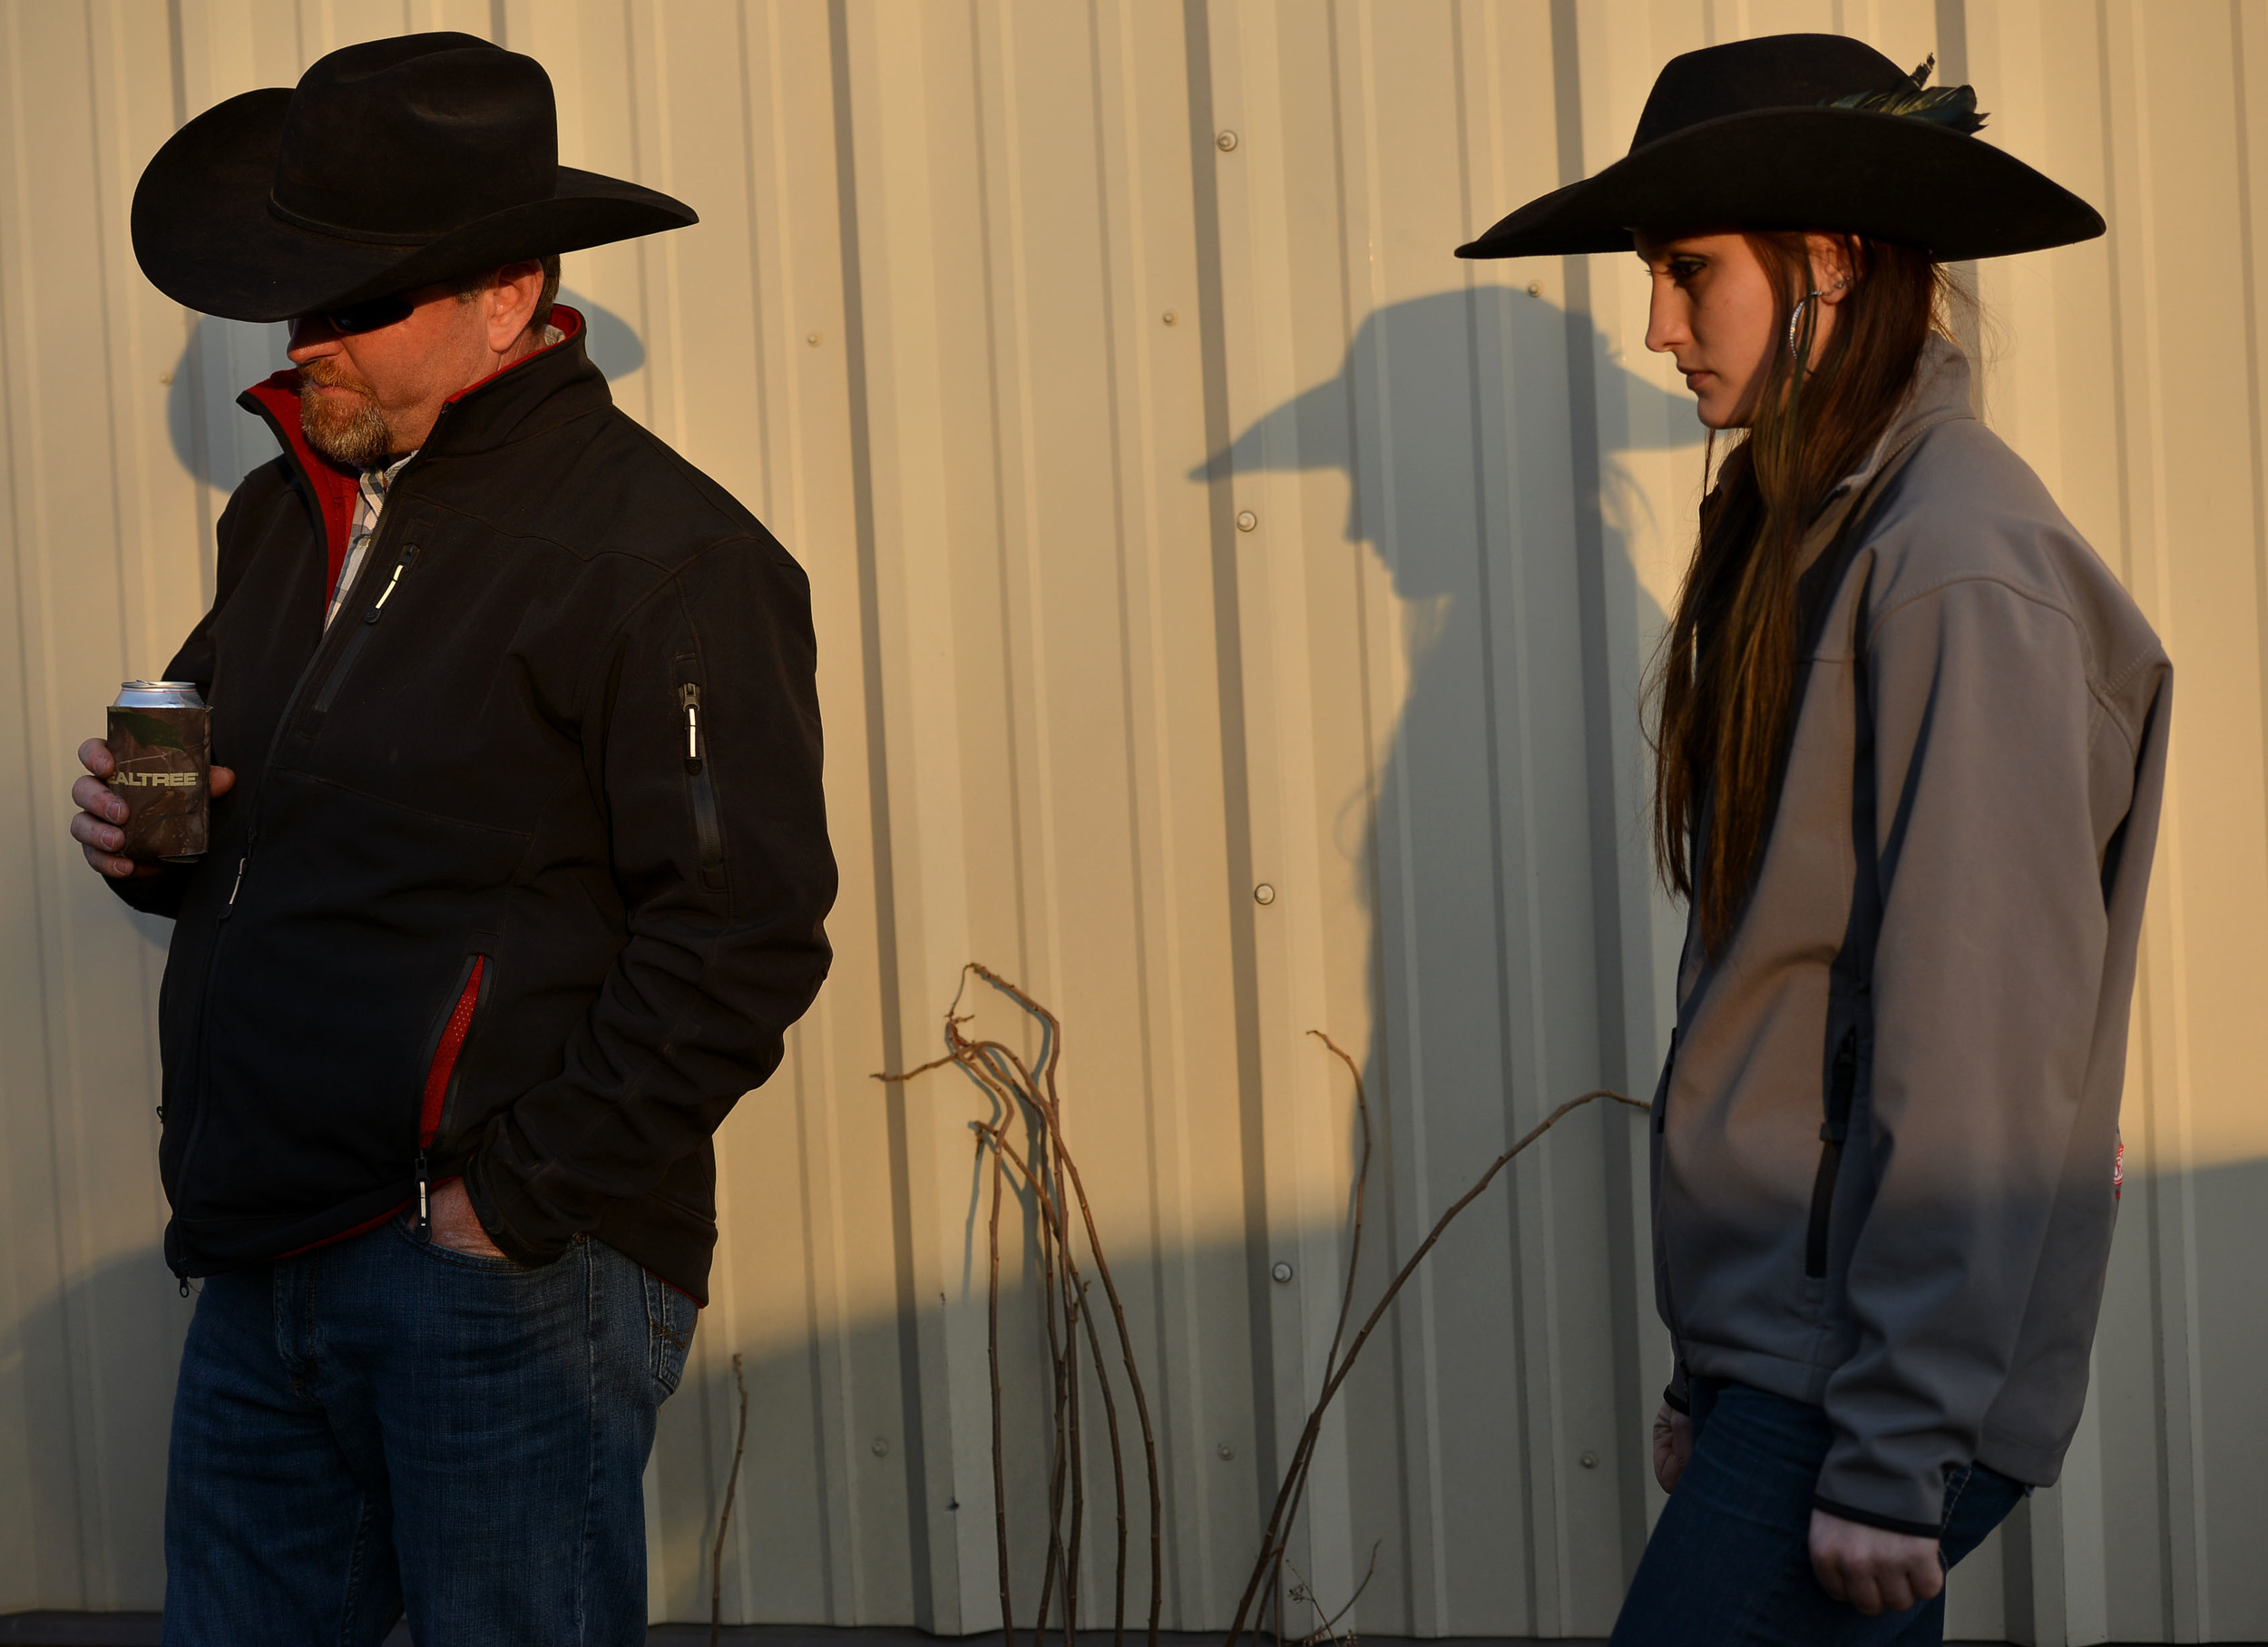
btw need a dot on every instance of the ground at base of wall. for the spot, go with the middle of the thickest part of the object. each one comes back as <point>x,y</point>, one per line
<point>140,1630</point>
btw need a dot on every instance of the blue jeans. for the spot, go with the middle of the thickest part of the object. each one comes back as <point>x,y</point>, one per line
<point>387,1423</point>
<point>1730,1562</point>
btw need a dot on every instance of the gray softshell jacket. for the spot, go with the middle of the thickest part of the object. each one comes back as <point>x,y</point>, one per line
<point>1885,1142</point>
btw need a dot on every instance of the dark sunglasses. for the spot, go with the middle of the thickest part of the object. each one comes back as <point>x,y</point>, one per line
<point>367,317</point>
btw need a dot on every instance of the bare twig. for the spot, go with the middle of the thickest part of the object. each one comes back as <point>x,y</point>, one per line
<point>1331,1623</point>
<point>1276,1537</point>
<point>1117,1313</point>
<point>1000,1474</point>
<point>724,1515</point>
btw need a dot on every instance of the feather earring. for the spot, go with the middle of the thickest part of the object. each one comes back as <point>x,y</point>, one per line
<point>1952,107</point>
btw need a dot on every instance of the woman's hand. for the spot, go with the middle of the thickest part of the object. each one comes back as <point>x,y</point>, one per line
<point>1673,1445</point>
<point>1872,1568</point>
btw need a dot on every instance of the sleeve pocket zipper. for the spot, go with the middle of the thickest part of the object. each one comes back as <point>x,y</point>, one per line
<point>441,1071</point>
<point>705,826</point>
<point>361,636</point>
<point>1833,1131</point>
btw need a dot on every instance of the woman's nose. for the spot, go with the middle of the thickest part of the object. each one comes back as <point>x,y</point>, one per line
<point>1664,331</point>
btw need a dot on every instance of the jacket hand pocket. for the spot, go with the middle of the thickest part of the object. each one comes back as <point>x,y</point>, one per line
<point>1842,1081</point>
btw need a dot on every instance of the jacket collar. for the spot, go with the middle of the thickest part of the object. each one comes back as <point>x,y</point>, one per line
<point>556,382</point>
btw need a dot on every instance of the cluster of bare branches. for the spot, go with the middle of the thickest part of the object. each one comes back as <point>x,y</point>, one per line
<point>1029,1092</point>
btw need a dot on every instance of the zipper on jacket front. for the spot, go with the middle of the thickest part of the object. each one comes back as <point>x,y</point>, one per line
<point>1842,1080</point>
<point>361,637</point>
<point>439,1071</point>
<point>244,858</point>
<point>1669,1073</point>
<point>706,830</point>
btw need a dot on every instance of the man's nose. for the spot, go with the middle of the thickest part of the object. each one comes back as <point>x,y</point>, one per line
<point>311,339</point>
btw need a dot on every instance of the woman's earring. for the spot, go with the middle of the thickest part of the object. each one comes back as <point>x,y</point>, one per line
<point>1795,323</point>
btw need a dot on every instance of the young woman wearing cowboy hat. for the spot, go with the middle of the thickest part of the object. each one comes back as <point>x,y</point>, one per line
<point>1909,739</point>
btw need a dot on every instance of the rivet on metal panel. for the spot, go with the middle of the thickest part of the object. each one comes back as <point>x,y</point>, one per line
<point>812,338</point>
<point>882,1448</point>
<point>1228,141</point>
<point>1264,894</point>
<point>1535,289</point>
<point>166,379</point>
<point>1226,1450</point>
<point>1591,1461</point>
<point>1283,1271</point>
<point>1247,519</point>
<point>1172,318</point>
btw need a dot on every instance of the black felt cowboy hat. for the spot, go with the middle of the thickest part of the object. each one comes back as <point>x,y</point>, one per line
<point>1804,131</point>
<point>393,164</point>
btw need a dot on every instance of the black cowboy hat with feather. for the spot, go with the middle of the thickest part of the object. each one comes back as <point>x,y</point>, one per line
<point>1805,132</point>
<point>393,164</point>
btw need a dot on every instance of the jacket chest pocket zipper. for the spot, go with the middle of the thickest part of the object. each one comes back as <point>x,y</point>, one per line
<point>706,830</point>
<point>441,1071</point>
<point>361,637</point>
<point>1833,1131</point>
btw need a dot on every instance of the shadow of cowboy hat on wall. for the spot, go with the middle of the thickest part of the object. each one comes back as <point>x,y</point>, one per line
<point>393,164</point>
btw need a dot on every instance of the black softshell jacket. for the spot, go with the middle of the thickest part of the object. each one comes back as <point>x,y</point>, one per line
<point>523,875</point>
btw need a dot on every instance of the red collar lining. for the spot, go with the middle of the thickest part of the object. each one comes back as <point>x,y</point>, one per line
<point>335,484</point>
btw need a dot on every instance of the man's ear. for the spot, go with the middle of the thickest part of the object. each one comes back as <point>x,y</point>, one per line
<point>508,303</point>
<point>1835,271</point>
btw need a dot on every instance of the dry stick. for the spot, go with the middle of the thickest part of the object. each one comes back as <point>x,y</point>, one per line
<point>979,1058</point>
<point>1331,1386</point>
<point>732,1483</point>
<point>1303,1456</point>
<point>970,1058</point>
<point>1369,1573</point>
<point>975,1059</point>
<point>1117,1463</point>
<point>1056,1476</point>
<point>1117,1313</point>
<point>1102,1378</point>
<point>1000,1474</point>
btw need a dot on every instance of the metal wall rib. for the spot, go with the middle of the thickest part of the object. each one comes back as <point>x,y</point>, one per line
<point>1181,518</point>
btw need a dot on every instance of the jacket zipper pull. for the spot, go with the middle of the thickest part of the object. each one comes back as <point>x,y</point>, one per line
<point>237,884</point>
<point>690,700</point>
<point>387,594</point>
<point>184,1281</point>
<point>425,1210</point>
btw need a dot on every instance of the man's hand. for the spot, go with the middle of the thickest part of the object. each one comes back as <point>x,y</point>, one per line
<point>1872,1568</point>
<point>456,1225</point>
<point>1673,1445</point>
<point>95,827</point>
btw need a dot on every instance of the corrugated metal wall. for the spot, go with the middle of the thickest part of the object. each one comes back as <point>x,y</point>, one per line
<point>1180,518</point>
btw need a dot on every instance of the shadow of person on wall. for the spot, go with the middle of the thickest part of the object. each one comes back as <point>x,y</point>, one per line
<point>1464,424</point>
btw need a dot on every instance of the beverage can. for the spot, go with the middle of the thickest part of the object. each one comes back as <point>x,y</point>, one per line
<point>160,737</point>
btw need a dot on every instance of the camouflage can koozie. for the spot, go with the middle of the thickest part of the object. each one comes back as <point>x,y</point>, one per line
<point>160,736</point>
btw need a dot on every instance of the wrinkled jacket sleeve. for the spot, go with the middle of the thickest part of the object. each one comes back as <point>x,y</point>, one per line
<point>719,959</point>
<point>1988,977</point>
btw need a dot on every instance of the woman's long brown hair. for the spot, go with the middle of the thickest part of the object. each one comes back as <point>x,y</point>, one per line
<point>1724,680</point>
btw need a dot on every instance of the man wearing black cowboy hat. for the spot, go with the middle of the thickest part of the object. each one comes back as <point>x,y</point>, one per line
<point>518,869</point>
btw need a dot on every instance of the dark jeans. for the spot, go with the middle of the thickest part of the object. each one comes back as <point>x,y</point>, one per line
<point>1729,1562</point>
<point>385,1423</point>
